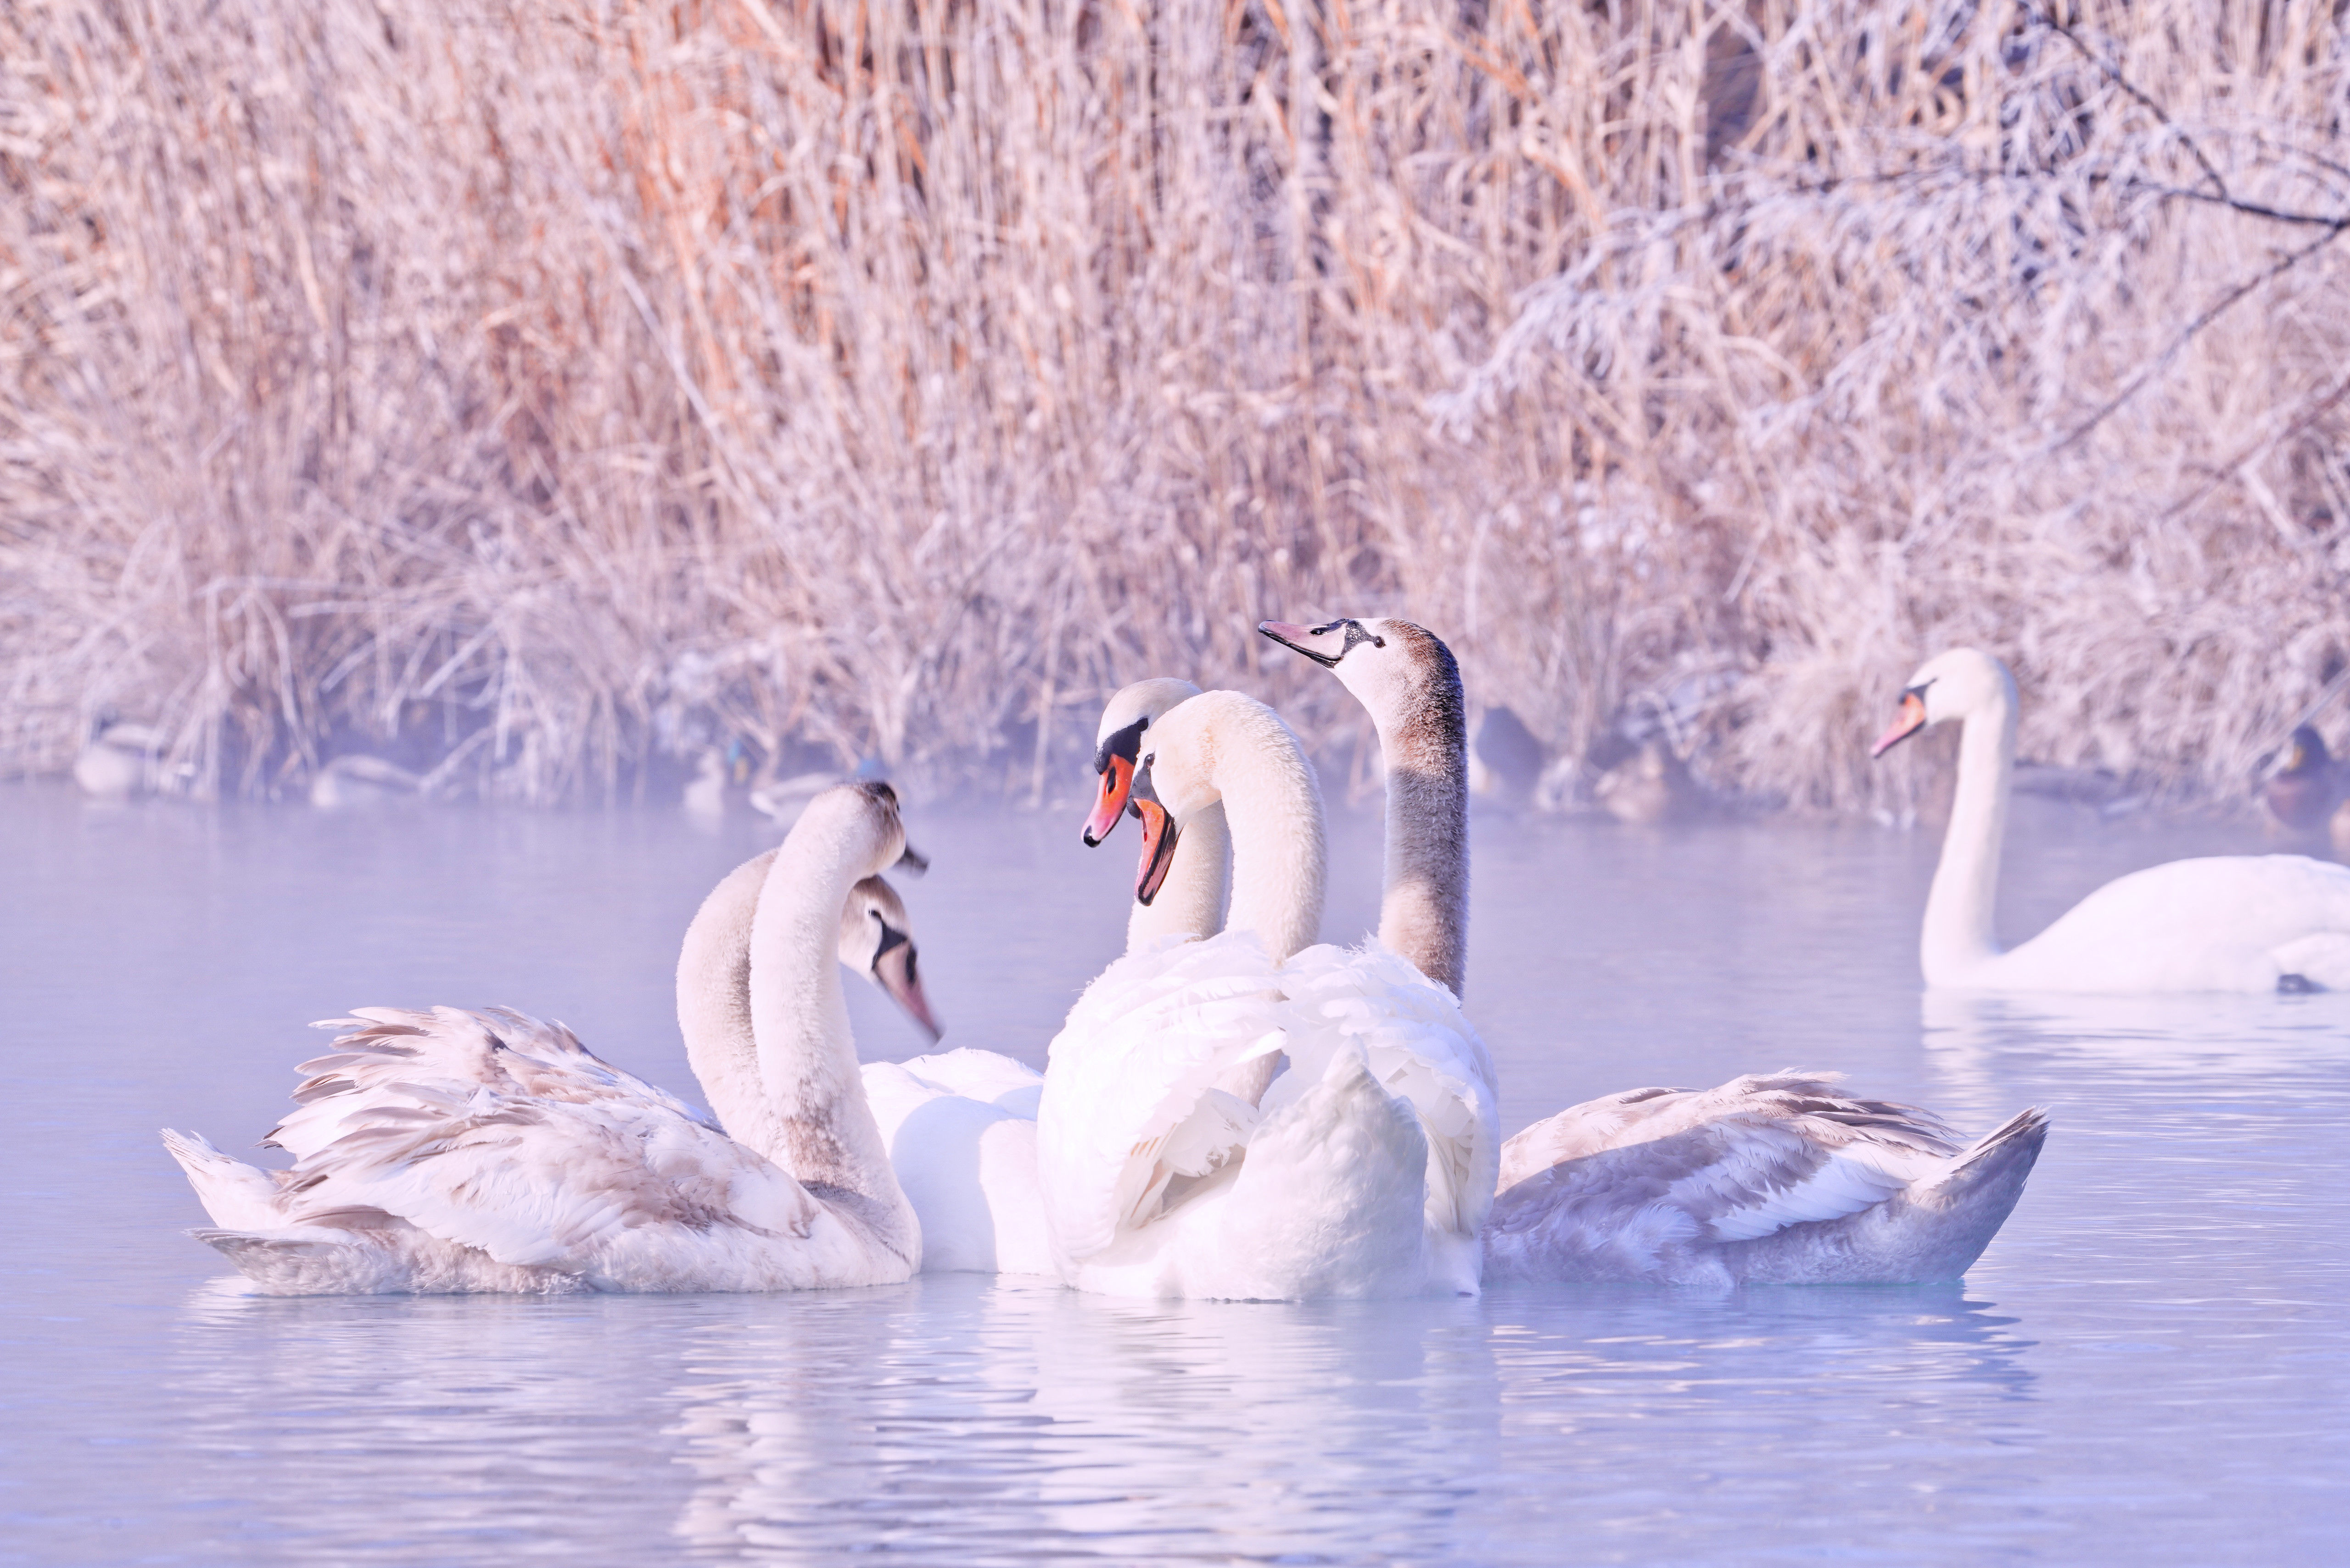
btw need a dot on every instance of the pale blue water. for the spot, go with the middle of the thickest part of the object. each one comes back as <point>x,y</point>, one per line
<point>2151,1365</point>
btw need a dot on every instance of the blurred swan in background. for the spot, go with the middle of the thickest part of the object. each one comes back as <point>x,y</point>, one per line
<point>2229,922</point>
<point>1175,1162</point>
<point>960,1126</point>
<point>447,1151</point>
<point>1774,1179</point>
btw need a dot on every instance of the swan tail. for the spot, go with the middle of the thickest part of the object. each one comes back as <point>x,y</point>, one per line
<point>234,1194</point>
<point>1990,1174</point>
<point>378,1255</point>
<point>1930,1232</point>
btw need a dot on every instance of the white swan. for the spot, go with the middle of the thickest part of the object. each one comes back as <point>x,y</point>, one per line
<point>1776,1179</point>
<point>447,1151</point>
<point>2229,922</point>
<point>1357,1172</point>
<point>960,1126</point>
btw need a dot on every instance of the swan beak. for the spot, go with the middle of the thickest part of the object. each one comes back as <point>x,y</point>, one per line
<point>913,863</point>
<point>1293,636</point>
<point>1116,790</point>
<point>1911,720</point>
<point>894,971</point>
<point>1159,833</point>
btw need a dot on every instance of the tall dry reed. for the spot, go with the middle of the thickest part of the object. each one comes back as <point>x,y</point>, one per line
<point>544,390</point>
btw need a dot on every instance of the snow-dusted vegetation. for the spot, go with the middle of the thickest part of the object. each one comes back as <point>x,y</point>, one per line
<point>542,395</point>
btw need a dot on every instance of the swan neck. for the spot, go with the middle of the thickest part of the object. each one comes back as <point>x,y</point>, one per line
<point>1272,809</point>
<point>1958,930</point>
<point>822,1131</point>
<point>1424,897</point>
<point>1191,903</point>
<point>713,1005</point>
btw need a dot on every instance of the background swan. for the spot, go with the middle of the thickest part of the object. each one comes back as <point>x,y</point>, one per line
<point>450,1152</point>
<point>1165,1174</point>
<point>2230,922</point>
<point>1776,1179</point>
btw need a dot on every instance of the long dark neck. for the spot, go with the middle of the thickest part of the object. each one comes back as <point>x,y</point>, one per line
<point>1424,909</point>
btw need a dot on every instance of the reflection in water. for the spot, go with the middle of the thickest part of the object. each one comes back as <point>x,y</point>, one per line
<point>1016,1422</point>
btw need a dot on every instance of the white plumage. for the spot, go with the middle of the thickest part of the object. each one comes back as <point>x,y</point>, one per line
<point>961,1127</point>
<point>450,1152</point>
<point>2238,922</point>
<point>1170,1167</point>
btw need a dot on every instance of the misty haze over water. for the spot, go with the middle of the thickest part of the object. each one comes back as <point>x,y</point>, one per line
<point>2150,1364</point>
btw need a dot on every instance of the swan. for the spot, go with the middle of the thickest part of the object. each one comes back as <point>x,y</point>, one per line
<point>960,1126</point>
<point>447,1152</point>
<point>1174,1162</point>
<point>1768,1178</point>
<point>2228,922</point>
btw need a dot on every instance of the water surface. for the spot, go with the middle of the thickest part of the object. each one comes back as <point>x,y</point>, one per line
<point>2151,1365</point>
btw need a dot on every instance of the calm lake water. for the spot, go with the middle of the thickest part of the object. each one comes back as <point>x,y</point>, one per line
<point>2150,1365</point>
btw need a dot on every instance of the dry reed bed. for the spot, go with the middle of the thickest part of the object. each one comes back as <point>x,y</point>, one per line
<point>576,384</point>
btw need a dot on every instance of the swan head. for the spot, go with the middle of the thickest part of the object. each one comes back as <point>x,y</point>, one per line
<point>877,940</point>
<point>1953,685</point>
<point>1401,673</point>
<point>1119,748</point>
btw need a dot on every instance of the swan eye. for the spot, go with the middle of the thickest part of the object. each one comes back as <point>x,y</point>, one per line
<point>1354,633</point>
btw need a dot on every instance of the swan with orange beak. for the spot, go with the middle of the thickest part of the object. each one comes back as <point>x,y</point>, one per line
<point>1173,897</point>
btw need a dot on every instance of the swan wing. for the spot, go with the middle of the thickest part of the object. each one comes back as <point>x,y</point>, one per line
<point>1129,1099</point>
<point>1420,1048</point>
<point>506,1136</point>
<point>1730,1164</point>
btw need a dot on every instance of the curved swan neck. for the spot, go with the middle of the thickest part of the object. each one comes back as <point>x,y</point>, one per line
<point>713,1005</point>
<point>1424,904</point>
<point>1958,929</point>
<point>1223,745</point>
<point>823,1130</point>
<point>1192,902</point>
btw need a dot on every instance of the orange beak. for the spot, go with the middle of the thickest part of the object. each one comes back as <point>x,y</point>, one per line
<point>1109,805</point>
<point>1911,720</point>
<point>1159,833</point>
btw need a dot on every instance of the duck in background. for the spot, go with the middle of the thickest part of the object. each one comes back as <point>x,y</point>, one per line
<point>358,782</point>
<point>2305,792</point>
<point>121,760</point>
<point>1650,788</point>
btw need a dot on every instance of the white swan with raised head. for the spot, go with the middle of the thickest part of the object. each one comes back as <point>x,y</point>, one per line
<point>1177,1159</point>
<point>1767,1178</point>
<point>449,1152</point>
<point>960,1126</point>
<point>2223,922</point>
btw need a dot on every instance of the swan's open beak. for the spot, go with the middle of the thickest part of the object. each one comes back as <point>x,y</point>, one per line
<point>894,971</point>
<point>1117,761</point>
<point>1158,833</point>
<point>1116,790</point>
<point>1293,636</point>
<point>913,863</point>
<point>1911,720</point>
